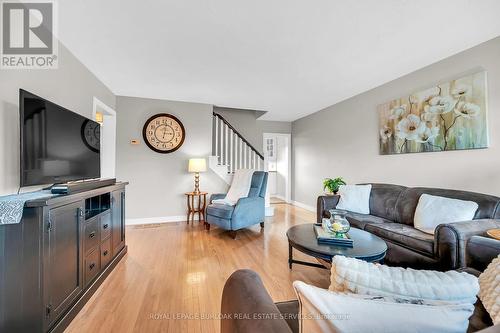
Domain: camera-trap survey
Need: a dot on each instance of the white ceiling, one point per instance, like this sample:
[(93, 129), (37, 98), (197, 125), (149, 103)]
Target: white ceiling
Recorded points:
[(288, 57)]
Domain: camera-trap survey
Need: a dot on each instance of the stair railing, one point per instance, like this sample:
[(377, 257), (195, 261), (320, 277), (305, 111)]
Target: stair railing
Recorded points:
[(232, 148)]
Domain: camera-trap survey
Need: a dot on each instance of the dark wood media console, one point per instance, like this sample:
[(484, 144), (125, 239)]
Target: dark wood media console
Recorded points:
[(55, 259)]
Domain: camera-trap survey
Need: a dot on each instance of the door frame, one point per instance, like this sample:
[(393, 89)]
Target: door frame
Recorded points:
[(288, 137), (108, 159)]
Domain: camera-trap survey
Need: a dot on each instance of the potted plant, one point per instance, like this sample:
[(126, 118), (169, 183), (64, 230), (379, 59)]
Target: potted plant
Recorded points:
[(332, 185)]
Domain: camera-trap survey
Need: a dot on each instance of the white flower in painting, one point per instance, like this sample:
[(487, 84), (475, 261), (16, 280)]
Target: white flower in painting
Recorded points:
[(385, 133), (460, 90), (428, 134), (398, 112), (429, 118), (429, 94), (410, 127), (440, 104), (467, 110), (413, 99)]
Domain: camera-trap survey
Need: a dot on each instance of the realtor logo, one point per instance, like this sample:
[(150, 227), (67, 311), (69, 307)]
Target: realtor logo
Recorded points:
[(28, 30)]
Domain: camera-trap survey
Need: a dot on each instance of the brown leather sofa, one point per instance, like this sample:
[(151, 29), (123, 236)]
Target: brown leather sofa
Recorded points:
[(392, 208), (247, 307)]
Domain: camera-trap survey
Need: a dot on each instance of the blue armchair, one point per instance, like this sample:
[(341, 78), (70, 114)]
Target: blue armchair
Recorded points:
[(247, 211)]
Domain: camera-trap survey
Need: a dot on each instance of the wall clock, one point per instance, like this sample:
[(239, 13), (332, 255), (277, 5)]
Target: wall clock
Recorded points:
[(91, 135), (163, 133)]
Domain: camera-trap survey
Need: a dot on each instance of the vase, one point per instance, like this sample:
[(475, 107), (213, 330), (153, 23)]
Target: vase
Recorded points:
[(339, 223)]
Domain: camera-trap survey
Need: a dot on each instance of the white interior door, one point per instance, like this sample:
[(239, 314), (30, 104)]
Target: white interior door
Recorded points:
[(279, 165)]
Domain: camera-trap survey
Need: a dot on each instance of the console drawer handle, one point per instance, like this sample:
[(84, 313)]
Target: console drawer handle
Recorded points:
[(92, 265), (92, 234), (105, 253), (105, 226)]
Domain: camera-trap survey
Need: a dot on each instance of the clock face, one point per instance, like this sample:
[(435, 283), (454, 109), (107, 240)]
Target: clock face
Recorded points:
[(91, 135), (163, 133)]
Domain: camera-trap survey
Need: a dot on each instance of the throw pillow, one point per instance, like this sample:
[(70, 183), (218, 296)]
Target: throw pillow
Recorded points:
[(433, 210), (489, 289), (321, 310), (360, 277), (355, 198)]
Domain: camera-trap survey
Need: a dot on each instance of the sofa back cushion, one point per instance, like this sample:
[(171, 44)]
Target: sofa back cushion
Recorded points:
[(407, 203), (383, 198)]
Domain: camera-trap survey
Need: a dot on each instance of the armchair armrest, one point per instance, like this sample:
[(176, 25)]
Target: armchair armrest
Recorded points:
[(450, 240), (324, 204), (248, 211), (216, 196), (247, 307), (481, 251)]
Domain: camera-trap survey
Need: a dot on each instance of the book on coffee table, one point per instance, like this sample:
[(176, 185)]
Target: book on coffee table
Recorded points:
[(327, 238)]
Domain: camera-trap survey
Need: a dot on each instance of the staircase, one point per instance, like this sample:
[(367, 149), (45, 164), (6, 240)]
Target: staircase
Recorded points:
[(231, 151)]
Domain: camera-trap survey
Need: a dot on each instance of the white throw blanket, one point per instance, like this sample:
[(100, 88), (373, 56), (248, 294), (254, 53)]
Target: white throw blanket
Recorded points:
[(240, 187), (360, 277)]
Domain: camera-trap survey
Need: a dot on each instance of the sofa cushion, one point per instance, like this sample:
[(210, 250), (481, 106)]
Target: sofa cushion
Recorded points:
[(383, 198), (407, 203), (404, 235), (326, 311), (219, 210), (489, 281), (432, 211), (355, 198), (360, 277), (361, 220)]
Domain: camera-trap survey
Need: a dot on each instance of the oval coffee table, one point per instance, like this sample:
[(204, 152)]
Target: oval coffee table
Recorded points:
[(366, 246)]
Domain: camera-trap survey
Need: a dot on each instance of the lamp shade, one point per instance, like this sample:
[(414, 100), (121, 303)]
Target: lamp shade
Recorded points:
[(197, 165)]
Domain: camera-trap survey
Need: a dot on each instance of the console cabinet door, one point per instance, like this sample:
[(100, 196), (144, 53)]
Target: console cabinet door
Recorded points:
[(63, 259), (118, 216)]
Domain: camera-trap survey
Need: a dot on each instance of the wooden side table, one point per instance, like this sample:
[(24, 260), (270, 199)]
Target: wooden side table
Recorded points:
[(201, 205)]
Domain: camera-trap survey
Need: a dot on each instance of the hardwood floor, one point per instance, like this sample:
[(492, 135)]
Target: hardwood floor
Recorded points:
[(173, 275)]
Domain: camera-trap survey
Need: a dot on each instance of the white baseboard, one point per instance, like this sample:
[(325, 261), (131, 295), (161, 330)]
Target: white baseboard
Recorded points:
[(154, 220), (303, 205), (279, 197)]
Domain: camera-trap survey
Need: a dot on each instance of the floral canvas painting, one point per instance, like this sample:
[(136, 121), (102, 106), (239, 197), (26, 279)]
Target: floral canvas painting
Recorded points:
[(449, 116)]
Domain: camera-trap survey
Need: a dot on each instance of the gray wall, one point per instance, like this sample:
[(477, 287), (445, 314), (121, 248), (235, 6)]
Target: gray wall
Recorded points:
[(72, 85), (246, 122), (342, 140), (158, 181)]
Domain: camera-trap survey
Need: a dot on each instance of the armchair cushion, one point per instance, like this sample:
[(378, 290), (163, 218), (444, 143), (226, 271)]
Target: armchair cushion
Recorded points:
[(404, 235), (220, 210)]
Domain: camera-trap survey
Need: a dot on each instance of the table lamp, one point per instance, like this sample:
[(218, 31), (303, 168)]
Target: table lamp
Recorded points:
[(197, 165)]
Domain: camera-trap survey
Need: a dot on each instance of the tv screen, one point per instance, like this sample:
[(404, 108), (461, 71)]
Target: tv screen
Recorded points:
[(57, 145)]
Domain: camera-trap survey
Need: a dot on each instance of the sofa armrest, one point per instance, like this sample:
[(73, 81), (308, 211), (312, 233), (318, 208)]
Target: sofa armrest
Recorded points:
[(450, 240), (324, 204), (247, 307), (216, 196), (481, 251)]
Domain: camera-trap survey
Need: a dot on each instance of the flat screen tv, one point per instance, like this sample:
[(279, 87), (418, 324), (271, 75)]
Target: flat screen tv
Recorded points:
[(57, 145)]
